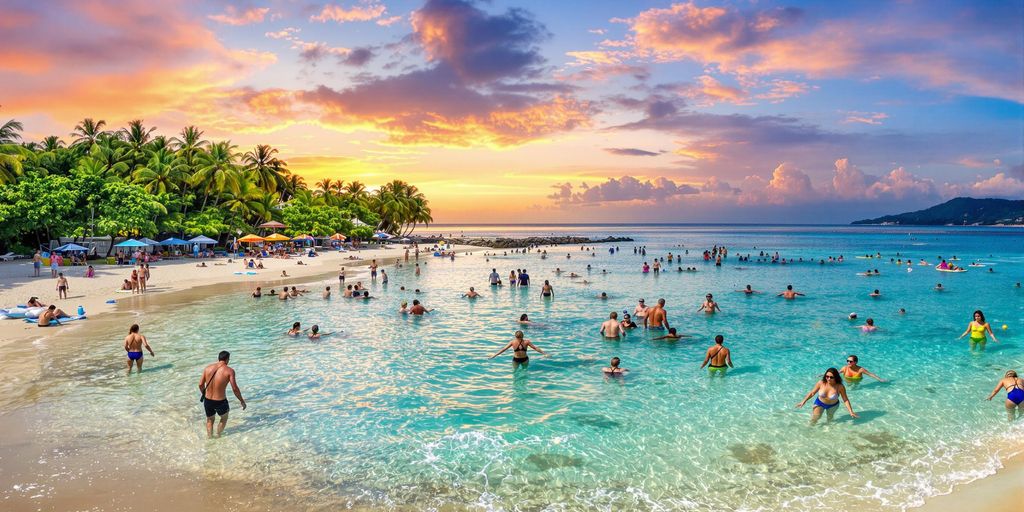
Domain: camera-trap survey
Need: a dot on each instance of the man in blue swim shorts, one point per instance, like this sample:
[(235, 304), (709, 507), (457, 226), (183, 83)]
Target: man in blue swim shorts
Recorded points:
[(133, 344)]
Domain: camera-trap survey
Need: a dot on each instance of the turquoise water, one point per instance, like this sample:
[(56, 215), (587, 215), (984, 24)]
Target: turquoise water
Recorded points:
[(410, 412)]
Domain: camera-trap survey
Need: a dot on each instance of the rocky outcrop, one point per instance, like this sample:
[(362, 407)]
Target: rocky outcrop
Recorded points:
[(531, 241)]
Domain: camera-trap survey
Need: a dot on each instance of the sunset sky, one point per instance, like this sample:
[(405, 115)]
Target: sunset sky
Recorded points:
[(559, 111)]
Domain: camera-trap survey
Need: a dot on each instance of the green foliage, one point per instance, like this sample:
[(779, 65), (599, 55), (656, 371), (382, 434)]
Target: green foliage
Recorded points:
[(132, 181)]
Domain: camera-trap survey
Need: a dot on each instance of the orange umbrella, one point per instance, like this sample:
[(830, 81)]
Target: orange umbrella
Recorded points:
[(251, 238), (338, 236), (276, 237)]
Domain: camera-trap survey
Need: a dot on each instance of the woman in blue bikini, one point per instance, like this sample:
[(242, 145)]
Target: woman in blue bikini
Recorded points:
[(829, 391), (1014, 387)]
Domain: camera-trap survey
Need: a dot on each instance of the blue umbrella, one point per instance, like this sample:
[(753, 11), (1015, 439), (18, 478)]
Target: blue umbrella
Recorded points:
[(382, 236), (174, 241), (70, 247), (131, 243), (202, 240)]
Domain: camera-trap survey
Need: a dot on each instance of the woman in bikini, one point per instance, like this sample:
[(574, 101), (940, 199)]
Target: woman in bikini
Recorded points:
[(977, 329), (519, 345), (1014, 387), (855, 373), (829, 391), (547, 292)]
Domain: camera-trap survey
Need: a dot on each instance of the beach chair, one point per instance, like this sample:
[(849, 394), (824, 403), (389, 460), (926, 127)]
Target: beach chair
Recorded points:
[(8, 257)]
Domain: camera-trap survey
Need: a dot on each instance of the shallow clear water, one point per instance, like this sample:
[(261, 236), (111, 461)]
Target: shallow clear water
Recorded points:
[(399, 411)]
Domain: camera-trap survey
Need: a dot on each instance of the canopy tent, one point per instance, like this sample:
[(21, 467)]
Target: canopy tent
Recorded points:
[(149, 241), (70, 248), (131, 243), (276, 237), (382, 236), (174, 241), (251, 238), (338, 236), (202, 240), (272, 225)]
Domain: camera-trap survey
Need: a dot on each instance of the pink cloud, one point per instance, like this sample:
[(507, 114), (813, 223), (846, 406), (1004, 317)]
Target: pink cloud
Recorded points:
[(365, 12), (233, 16), (781, 90), (387, 22), (998, 185), (624, 189), (288, 33), (873, 118)]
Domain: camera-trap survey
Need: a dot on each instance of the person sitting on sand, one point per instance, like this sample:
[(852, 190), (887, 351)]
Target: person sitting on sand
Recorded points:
[(1014, 387), (829, 391), (133, 344), (33, 302), (299, 262), (717, 358), (519, 345), (855, 373), (90, 272), (613, 368), (472, 294), (709, 306), (789, 294), (672, 335), (51, 314), (284, 273), (611, 328), (202, 265)]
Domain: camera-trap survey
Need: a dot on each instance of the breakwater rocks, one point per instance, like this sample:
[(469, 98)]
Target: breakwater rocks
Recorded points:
[(511, 243)]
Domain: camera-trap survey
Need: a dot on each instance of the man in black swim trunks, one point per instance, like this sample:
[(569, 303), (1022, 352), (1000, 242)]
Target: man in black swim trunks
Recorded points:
[(213, 389)]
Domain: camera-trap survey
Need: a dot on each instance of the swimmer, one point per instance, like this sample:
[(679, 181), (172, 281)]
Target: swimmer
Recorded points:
[(603, 296), (829, 391), (641, 309), (418, 309), (978, 328), (133, 345), (938, 287), (852, 316), (283, 295), (613, 368), (869, 326), (672, 335), (656, 317), (295, 330), (494, 277), (749, 291), (875, 294), (789, 294), (627, 322), (258, 293), (327, 293), (365, 296), (718, 358), (855, 373), (519, 346), (525, 320), (546, 291), (405, 307), (284, 273), (709, 306), (611, 328), (902, 311), (472, 294), (1014, 387), (315, 334)]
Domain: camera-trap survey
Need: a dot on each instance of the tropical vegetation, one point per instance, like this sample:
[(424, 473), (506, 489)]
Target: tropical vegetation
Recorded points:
[(134, 182)]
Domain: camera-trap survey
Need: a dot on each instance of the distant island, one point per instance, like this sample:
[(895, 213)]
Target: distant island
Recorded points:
[(960, 211)]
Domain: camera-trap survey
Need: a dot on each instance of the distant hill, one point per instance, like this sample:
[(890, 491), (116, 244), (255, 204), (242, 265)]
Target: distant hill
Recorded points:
[(960, 211)]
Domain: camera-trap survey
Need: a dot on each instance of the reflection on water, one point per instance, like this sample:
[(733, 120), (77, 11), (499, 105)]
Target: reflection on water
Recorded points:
[(409, 412)]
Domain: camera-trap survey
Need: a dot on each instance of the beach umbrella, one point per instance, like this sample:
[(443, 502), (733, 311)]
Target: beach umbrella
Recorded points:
[(338, 236), (357, 222), (303, 238), (251, 238), (276, 237), (174, 241), (272, 225), (149, 241), (131, 243), (202, 240), (382, 236), (70, 248)]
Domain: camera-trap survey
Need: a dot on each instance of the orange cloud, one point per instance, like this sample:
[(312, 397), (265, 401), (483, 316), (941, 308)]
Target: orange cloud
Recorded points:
[(234, 16), (341, 15)]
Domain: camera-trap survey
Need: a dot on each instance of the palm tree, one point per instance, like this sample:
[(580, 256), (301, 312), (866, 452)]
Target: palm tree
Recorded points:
[(109, 152), (217, 172), (87, 132), (266, 170), (357, 193), (189, 151), (11, 157), (137, 136), (10, 132), (324, 186), (293, 184), (52, 143), (159, 175), (246, 201)]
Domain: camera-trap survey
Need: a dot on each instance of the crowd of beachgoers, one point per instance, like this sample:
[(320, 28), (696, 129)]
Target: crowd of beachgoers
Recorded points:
[(828, 393)]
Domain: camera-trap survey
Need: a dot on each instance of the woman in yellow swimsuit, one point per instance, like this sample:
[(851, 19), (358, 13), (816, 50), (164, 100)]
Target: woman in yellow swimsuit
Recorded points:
[(977, 329), (854, 373)]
